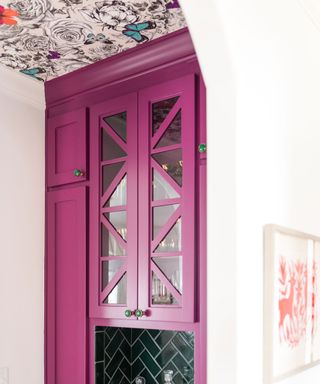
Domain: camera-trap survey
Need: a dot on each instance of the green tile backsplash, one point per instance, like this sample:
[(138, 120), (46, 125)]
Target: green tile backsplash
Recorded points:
[(122, 354)]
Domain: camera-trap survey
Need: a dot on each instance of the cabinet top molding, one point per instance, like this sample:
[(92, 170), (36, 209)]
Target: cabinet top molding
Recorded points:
[(126, 65)]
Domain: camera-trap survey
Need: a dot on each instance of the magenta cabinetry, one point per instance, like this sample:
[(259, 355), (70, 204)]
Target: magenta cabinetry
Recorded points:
[(66, 287), (67, 143), (142, 253), (126, 203)]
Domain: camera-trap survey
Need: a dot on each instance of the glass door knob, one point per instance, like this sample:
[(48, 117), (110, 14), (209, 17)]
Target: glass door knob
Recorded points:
[(139, 313), (78, 172), (128, 313), (202, 148)]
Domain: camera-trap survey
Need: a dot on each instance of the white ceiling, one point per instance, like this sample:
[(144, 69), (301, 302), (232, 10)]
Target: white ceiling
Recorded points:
[(55, 37)]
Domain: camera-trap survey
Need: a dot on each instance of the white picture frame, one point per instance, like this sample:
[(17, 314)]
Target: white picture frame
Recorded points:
[(291, 302)]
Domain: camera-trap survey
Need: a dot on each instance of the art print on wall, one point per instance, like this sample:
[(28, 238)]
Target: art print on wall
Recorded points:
[(291, 302)]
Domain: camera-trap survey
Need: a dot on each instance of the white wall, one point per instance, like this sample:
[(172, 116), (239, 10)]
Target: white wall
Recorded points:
[(21, 228), (264, 135)]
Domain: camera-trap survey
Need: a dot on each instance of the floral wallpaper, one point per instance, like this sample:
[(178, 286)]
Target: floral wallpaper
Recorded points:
[(48, 38)]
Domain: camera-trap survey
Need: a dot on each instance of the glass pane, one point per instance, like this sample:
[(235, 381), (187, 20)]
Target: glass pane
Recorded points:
[(171, 242), (119, 221), (109, 245), (109, 148), (119, 196), (171, 162), (172, 134), (162, 189), (161, 216), (109, 172), (160, 294), (160, 111), (109, 269), (118, 123), (171, 267), (119, 293)]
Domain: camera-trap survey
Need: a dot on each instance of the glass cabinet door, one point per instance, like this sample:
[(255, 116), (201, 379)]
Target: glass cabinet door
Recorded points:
[(114, 207), (167, 201)]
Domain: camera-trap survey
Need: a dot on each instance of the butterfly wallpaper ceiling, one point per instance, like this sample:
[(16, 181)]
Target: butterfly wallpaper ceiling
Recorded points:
[(49, 38)]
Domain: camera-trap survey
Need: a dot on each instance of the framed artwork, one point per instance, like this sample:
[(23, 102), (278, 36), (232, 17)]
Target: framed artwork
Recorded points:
[(291, 302)]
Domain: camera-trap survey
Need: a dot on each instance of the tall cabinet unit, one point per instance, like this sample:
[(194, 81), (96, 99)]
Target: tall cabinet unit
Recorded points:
[(125, 204)]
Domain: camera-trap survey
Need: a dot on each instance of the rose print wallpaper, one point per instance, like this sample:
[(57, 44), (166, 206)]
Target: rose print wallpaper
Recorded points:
[(49, 38)]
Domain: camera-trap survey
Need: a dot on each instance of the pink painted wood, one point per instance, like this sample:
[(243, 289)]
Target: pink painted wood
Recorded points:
[(66, 287), (185, 310), (67, 147), (126, 103)]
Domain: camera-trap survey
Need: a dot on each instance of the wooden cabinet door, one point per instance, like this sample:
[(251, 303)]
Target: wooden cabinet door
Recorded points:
[(66, 287), (113, 208), (167, 220), (67, 148)]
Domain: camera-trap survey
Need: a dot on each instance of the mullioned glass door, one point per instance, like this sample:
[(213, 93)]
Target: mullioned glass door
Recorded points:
[(114, 208), (167, 201)]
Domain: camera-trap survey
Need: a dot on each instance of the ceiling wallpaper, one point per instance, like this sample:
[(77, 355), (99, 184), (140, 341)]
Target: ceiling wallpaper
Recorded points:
[(48, 38)]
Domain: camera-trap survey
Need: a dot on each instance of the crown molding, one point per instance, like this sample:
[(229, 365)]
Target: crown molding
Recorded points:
[(130, 64), (20, 87)]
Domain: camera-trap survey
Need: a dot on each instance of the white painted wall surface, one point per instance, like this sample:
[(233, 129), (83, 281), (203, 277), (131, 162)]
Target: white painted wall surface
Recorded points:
[(261, 63), (21, 228)]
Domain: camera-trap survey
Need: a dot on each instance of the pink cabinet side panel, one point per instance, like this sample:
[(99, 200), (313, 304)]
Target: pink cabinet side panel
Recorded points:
[(66, 287), (67, 148)]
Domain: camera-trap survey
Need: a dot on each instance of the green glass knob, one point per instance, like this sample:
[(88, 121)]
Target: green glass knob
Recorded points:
[(78, 172), (139, 313), (202, 148), (128, 313)]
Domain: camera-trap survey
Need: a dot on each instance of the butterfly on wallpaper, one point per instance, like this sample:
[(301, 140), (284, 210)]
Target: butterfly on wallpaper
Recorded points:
[(134, 30), (7, 16), (171, 4), (100, 38), (53, 55), (33, 72)]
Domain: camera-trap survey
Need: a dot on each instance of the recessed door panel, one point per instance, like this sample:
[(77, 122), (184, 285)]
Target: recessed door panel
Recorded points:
[(66, 287), (67, 148)]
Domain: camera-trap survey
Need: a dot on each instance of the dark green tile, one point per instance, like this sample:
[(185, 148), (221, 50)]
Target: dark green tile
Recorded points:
[(114, 343), (126, 333), (99, 373), (136, 333), (166, 355), (136, 349), (149, 379), (183, 347), (99, 346), (180, 363), (154, 333), (125, 368), (113, 364), (164, 337), (125, 381), (189, 337), (178, 379), (99, 328), (150, 363), (125, 349), (149, 344), (116, 378), (137, 368)]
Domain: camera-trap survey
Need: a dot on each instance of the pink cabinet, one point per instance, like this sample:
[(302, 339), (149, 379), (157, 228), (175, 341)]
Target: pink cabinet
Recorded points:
[(67, 148), (66, 287), (142, 252)]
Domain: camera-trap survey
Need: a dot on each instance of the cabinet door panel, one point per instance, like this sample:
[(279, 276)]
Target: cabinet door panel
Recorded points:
[(167, 200), (66, 287), (113, 209), (67, 149)]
